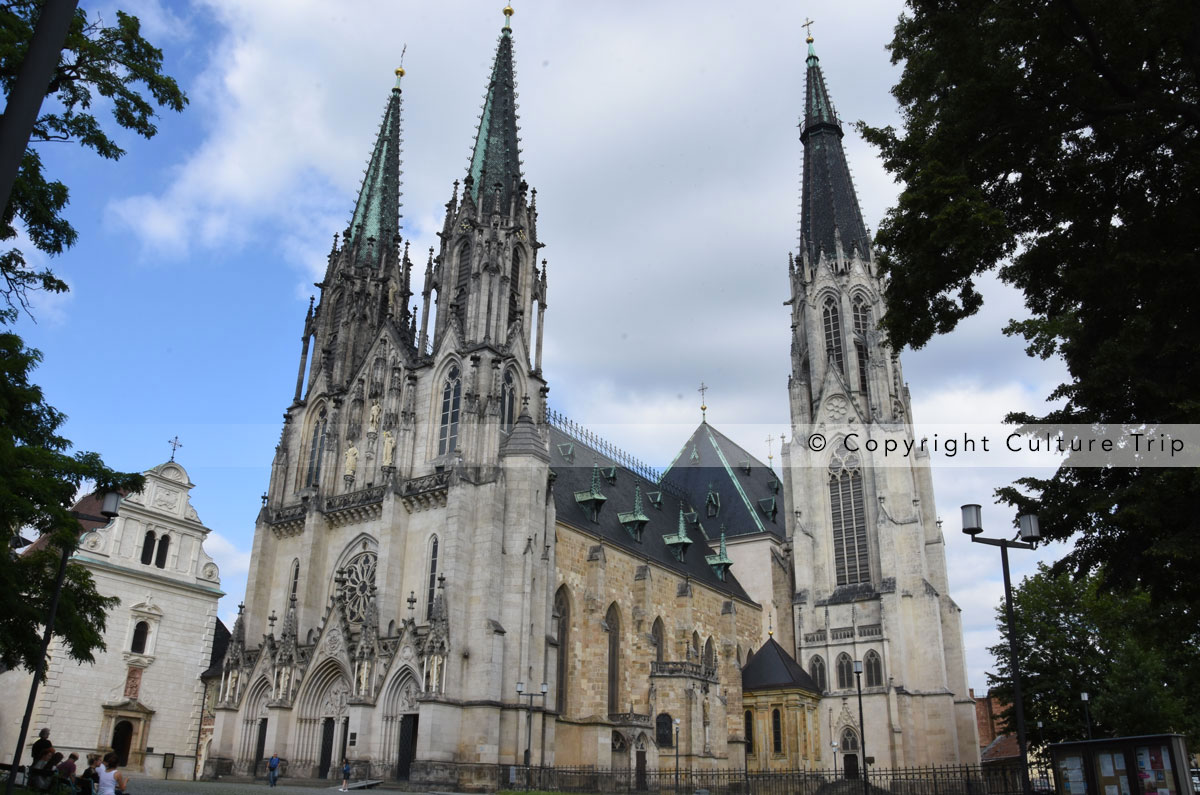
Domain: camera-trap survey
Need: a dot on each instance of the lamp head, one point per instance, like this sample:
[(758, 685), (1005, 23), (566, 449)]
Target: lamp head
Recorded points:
[(1083, 696), (972, 520), (545, 687), (858, 666), (520, 687), (108, 507), (1027, 528)]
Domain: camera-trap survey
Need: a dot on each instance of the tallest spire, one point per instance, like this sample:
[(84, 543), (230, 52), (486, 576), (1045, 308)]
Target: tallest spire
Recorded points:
[(377, 213), (496, 157), (829, 208)]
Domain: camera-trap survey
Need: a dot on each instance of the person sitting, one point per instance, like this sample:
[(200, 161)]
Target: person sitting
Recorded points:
[(41, 773), (66, 772), (85, 782)]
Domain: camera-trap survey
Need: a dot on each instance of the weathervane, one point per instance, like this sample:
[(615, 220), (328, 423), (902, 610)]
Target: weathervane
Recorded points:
[(175, 445), (703, 408)]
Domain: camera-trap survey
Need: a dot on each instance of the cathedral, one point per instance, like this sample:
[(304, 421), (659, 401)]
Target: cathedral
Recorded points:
[(450, 579)]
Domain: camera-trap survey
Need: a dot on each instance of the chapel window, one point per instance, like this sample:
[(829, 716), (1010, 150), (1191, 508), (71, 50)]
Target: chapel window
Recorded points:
[(164, 546), (316, 451), (433, 573), (508, 401), (776, 731), (140, 634), (562, 612), (845, 672), (451, 399), (850, 556), (660, 640), (832, 321), (612, 621), (749, 732), (816, 669), (663, 728), (148, 547), (873, 669)]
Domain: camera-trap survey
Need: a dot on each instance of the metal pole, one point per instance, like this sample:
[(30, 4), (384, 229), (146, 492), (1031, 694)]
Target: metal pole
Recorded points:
[(862, 729), (41, 666), (677, 757), (1018, 707), (1087, 716), (528, 741), (25, 100)]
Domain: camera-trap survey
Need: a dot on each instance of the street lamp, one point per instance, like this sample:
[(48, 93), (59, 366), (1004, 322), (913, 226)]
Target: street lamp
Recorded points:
[(529, 724), (862, 730), (1029, 534), (835, 767), (108, 512), (677, 754), (1087, 716)]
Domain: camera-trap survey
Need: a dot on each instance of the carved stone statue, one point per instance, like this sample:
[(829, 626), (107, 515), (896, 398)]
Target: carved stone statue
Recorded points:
[(285, 679), (376, 411), (351, 460), (389, 448)]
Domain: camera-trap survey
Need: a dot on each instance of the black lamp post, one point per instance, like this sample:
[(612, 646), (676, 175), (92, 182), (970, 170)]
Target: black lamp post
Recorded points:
[(108, 511), (862, 729), (1030, 535), (529, 724), (1087, 716), (677, 754)]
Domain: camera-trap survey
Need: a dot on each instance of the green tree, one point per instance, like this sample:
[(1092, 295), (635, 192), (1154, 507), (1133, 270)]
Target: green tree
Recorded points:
[(1057, 141), (1075, 638), (112, 62), (39, 476)]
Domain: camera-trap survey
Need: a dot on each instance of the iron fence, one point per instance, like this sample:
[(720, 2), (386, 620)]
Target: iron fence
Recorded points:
[(942, 780)]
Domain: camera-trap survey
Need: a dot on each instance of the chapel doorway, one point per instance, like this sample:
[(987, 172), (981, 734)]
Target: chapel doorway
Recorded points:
[(408, 745), (122, 737), (326, 748), (850, 765), (260, 746), (640, 781)]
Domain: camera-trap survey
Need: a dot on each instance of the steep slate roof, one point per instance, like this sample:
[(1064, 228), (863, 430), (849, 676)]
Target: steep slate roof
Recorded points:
[(377, 211), (711, 462), (828, 200), (497, 151), (573, 463), (772, 668)]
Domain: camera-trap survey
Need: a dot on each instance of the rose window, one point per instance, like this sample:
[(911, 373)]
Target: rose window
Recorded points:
[(359, 582)]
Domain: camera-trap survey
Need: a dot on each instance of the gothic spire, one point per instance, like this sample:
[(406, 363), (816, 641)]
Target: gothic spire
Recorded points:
[(377, 213), (496, 157), (829, 206)]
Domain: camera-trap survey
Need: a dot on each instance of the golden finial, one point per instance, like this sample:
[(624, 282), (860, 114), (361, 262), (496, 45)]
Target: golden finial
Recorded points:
[(508, 12), (770, 626), (399, 71)]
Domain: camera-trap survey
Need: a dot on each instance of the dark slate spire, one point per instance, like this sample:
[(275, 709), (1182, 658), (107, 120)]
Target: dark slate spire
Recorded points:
[(828, 199), (377, 213), (496, 157)]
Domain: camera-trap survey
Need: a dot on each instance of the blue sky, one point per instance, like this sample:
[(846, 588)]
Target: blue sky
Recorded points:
[(662, 140)]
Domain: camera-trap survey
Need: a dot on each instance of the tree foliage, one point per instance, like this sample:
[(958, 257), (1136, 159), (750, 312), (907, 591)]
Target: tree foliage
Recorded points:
[(1074, 638), (39, 475), (113, 63), (1057, 141)]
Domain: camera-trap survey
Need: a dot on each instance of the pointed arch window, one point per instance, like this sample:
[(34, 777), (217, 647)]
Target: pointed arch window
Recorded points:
[(316, 451), (295, 577), (849, 741), (433, 572), (664, 725), (845, 672), (141, 633), (710, 656), (514, 286), (562, 612), (164, 546), (612, 621), (873, 669), (659, 633), (831, 318), (776, 732), (508, 401), (816, 669), (462, 286), (749, 722), (850, 555), (451, 401), (860, 353), (861, 310), (148, 547)]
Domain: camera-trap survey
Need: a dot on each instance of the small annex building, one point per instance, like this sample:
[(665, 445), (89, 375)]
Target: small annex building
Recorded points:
[(780, 711)]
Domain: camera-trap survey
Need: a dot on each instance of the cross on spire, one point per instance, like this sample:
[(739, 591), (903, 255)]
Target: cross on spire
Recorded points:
[(808, 23), (770, 455), (175, 445), (703, 408)]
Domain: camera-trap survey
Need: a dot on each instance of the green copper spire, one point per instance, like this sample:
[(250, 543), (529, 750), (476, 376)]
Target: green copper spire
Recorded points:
[(496, 157), (377, 213)]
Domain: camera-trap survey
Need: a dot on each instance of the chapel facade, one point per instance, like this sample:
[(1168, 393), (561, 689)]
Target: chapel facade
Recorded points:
[(449, 578)]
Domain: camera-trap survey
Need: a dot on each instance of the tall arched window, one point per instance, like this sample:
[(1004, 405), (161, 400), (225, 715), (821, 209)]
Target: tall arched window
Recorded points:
[(663, 728), (710, 656), (508, 401), (694, 652), (451, 398), (862, 315), (776, 732), (816, 669), (749, 718), (873, 669), (860, 353), (316, 451), (164, 546), (850, 555), (514, 286), (659, 633), (562, 613), (148, 547), (845, 672), (612, 620), (433, 570), (463, 283), (140, 633), (295, 576), (849, 741), (832, 319)]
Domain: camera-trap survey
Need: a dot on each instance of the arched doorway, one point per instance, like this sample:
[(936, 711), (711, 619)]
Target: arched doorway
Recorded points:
[(122, 737), (849, 751), (400, 720), (322, 712)]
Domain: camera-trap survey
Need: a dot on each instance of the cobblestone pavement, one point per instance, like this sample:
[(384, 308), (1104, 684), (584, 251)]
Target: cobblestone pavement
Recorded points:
[(145, 785)]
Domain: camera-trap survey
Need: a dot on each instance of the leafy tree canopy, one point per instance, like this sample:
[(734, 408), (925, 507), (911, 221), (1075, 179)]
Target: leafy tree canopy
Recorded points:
[(111, 62), (1075, 638), (1057, 141)]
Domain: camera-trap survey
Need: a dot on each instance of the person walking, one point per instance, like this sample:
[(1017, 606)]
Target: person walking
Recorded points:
[(345, 774), (273, 769)]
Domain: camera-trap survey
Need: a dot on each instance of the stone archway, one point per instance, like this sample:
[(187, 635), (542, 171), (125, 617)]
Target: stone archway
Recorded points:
[(321, 711), (401, 721)]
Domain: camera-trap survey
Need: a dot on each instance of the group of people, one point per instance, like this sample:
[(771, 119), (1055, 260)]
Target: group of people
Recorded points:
[(50, 772)]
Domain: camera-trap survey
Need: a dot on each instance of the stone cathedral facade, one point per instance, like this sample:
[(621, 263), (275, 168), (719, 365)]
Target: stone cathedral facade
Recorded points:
[(449, 577)]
